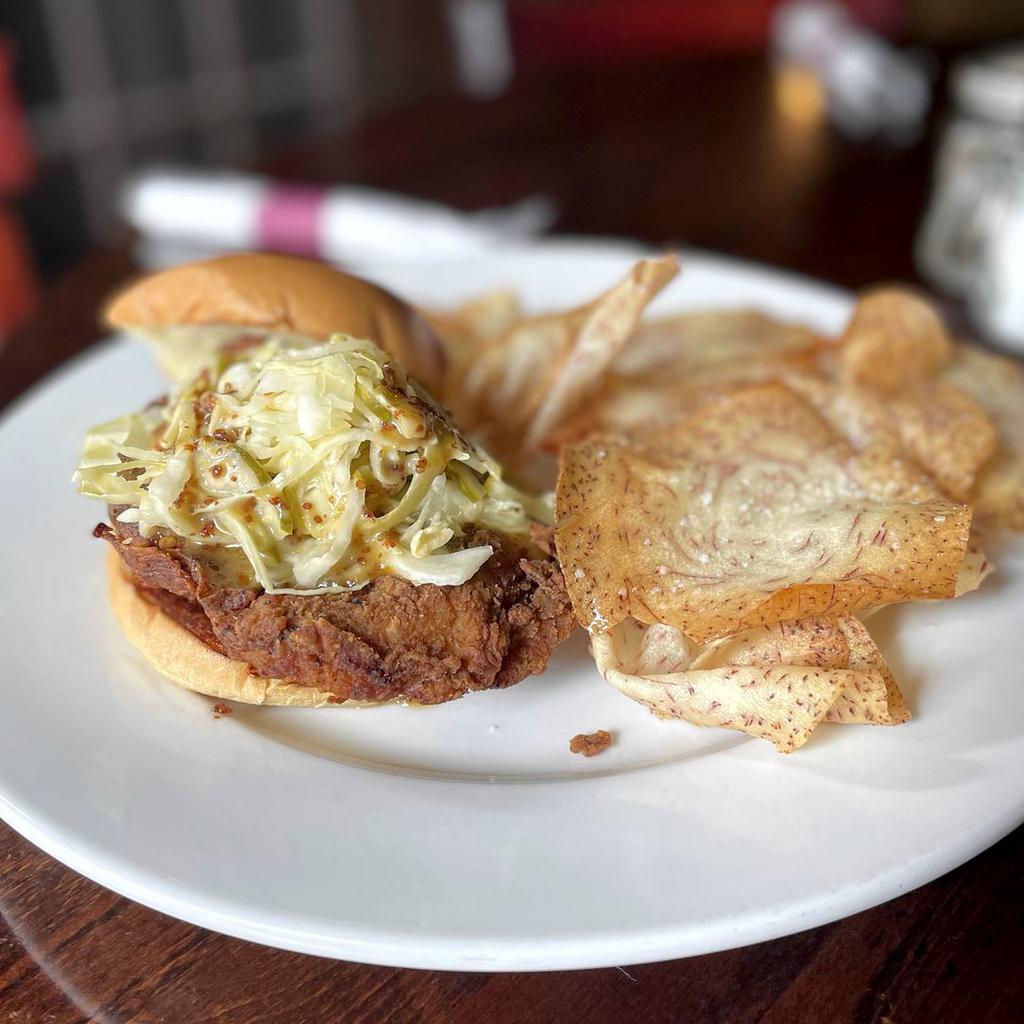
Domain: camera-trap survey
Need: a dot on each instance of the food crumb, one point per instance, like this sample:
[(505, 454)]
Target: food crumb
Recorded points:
[(590, 744), (220, 709)]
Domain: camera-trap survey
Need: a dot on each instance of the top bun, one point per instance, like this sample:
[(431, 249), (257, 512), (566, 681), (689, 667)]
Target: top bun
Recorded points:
[(286, 294)]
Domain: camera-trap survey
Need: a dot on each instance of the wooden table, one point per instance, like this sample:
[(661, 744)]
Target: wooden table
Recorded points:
[(696, 152)]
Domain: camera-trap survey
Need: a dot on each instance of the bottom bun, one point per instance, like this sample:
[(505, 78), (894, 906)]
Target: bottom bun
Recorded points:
[(184, 659)]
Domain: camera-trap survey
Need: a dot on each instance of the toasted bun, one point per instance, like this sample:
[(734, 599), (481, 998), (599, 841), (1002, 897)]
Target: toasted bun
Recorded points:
[(281, 293), (184, 659)]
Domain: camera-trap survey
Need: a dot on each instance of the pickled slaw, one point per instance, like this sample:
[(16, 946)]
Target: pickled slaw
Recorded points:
[(322, 463)]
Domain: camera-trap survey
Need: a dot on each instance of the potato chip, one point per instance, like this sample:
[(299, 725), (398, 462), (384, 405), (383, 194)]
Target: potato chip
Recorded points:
[(895, 345), (894, 339), (634, 406), (927, 441), (676, 364), (997, 385), (861, 417), (531, 379), (752, 511), (777, 682), (672, 349), (628, 409), (947, 432), (465, 331), (864, 419), (976, 567), (490, 315), (872, 697), (599, 340), (914, 430)]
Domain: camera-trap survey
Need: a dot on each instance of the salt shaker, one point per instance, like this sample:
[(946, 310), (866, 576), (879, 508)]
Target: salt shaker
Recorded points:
[(972, 241)]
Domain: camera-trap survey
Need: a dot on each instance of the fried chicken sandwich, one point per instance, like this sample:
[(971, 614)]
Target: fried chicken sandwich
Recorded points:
[(299, 522)]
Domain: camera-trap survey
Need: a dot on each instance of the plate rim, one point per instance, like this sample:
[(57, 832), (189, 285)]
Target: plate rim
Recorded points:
[(545, 955)]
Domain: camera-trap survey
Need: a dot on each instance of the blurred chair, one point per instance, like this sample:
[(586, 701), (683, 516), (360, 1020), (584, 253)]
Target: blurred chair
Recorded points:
[(109, 84)]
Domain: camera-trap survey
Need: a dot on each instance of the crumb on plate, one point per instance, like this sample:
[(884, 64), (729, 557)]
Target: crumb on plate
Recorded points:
[(590, 744)]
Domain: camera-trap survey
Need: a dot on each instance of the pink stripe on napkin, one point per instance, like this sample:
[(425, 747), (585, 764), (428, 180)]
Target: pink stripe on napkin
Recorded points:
[(289, 219)]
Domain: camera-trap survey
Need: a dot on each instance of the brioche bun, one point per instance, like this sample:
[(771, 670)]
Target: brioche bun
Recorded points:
[(184, 659), (286, 294)]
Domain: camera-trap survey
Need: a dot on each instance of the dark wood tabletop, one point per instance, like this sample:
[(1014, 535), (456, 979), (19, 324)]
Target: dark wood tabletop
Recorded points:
[(695, 152)]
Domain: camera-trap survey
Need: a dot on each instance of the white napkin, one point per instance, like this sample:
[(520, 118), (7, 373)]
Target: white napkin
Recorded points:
[(180, 212)]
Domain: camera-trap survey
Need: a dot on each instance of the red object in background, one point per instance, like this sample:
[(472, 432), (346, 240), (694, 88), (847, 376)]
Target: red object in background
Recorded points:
[(581, 32), (19, 287), (17, 165), (18, 284), (590, 31)]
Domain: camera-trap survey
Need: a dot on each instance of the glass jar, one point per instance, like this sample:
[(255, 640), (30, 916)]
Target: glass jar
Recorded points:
[(979, 173)]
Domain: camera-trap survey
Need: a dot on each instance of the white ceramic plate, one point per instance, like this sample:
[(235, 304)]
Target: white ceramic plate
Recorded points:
[(466, 836)]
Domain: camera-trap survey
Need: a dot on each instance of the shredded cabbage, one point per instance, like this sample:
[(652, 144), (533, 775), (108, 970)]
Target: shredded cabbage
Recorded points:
[(321, 463)]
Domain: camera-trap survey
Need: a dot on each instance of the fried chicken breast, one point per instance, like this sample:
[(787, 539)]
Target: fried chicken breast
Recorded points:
[(391, 640)]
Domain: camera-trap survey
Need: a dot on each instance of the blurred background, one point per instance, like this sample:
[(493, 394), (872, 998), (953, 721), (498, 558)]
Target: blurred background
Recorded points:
[(857, 141)]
